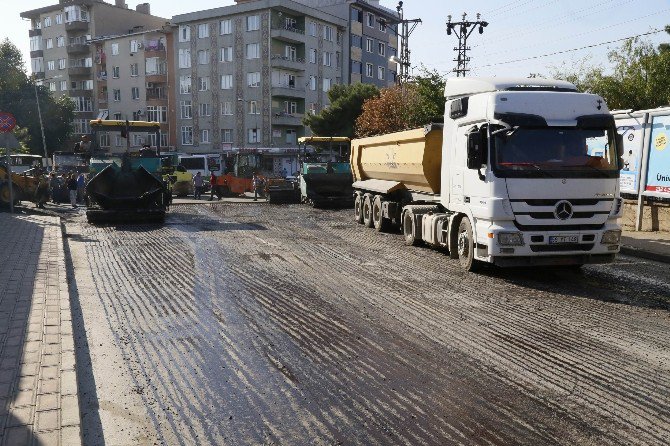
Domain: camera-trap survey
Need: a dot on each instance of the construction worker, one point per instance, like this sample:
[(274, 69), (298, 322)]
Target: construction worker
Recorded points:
[(212, 186), (255, 184)]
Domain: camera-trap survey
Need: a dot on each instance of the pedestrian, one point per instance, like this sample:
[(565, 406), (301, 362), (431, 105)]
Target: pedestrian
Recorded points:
[(72, 187), (53, 186), (212, 186), (81, 185), (255, 184), (197, 183)]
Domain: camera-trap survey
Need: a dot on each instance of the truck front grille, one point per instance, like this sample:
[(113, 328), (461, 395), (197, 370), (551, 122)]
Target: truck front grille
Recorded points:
[(562, 248)]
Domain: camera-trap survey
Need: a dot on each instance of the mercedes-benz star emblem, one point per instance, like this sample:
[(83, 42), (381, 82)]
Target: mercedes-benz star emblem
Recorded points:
[(563, 210)]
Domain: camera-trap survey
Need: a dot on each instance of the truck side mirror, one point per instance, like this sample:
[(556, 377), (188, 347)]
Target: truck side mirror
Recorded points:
[(475, 149), (619, 144)]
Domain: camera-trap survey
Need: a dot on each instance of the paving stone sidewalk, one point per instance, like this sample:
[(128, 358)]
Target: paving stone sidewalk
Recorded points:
[(38, 383)]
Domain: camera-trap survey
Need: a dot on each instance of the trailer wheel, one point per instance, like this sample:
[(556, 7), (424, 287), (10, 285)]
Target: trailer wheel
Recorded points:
[(408, 229), (358, 209), (379, 222), (367, 211), (466, 245)]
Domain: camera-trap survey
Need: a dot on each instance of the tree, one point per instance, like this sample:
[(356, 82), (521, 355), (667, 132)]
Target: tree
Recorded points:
[(17, 96), (346, 103), (395, 109), (430, 87)]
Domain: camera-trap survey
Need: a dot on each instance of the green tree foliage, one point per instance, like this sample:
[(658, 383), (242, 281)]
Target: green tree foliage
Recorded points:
[(638, 80), (346, 103), (17, 96), (430, 88)]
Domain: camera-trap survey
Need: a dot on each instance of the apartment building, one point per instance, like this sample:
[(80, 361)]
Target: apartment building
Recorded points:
[(372, 39), (246, 75), (61, 54), (132, 82)]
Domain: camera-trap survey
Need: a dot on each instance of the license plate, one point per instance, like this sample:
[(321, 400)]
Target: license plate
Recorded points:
[(563, 239)]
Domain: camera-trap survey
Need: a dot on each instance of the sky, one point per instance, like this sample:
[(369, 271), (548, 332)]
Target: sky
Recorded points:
[(518, 32)]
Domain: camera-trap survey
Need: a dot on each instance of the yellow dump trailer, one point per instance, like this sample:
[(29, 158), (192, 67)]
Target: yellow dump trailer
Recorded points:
[(411, 160)]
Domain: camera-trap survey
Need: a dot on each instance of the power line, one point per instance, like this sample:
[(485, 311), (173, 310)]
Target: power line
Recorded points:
[(464, 29), (571, 50)]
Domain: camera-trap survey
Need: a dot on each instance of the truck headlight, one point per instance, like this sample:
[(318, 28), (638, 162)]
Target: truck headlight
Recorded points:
[(510, 238), (612, 237)]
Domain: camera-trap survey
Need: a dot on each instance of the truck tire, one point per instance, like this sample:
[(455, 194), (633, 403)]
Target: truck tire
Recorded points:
[(358, 209), (367, 211), (408, 229), (378, 221), (466, 245)]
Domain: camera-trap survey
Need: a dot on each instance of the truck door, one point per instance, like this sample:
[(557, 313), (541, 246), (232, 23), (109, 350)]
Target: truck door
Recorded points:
[(458, 165)]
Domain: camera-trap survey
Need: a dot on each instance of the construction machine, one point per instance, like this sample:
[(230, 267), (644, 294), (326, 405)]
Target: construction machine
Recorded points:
[(325, 173)]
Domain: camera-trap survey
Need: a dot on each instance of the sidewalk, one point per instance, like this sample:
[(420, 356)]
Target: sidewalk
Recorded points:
[(648, 245), (38, 383)]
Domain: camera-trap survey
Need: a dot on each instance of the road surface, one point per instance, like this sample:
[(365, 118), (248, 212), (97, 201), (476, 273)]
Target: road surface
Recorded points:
[(259, 324)]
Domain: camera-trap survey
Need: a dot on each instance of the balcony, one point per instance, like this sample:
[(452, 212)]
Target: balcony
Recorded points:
[(295, 64), (157, 78), (36, 53), (280, 117), (35, 32), (288, 91), (79, 71), (154, 48), (77, 48), (288, 34), (76, 26), (39, 75)]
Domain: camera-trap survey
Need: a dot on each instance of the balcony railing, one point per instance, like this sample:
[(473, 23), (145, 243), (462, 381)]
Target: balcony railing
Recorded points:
[(292, 29), (157, 95), (154, 45)]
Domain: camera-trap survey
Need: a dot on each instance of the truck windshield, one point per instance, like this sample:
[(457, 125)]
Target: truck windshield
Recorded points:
[(557, 150)]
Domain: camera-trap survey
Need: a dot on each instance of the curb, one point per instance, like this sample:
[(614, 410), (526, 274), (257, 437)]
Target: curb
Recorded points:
[(648, 255)]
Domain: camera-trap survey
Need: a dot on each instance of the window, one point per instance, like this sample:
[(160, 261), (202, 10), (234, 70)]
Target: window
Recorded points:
[(60, 41), (50, 43), (226, 81), (75, 13), (327, 59), (115, 49), (103, 139), (115, 72), (61, 64), (204, 136), (117, 95), (226, 27), (326, 84), (51, 65), (186, 109), (227, 54), (47, 22), (254, 79), (52, 86), (312, 108), (370, 45), (253, 51), (369, 70), (356, 41), (227, 135), (253, 108), (134, 46), (253, 23), (381, 71), (63, 85), (312, 29), (87, 85), (312, 83), (135, 93), (203, 57), (356, 15), (203, 83), (290, 107), (254, 136), (291, 52), (205, 110), (371, 20), (290, 136), (153, 65), (184, 33), (382, 25), (157, 114), (35, 43), (184, 58), (117, 117), (356, 67), (312, 55), (328, 33), (59, 19), (381, 47), (203, 31), (226, 108), (187, 135), (81, 126), (184, 84), (138, 139), (134, 70)]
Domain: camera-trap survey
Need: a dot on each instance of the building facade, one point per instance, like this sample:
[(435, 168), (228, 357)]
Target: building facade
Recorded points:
[(132, 83), (61, 53), (246, 75), (372, 39)]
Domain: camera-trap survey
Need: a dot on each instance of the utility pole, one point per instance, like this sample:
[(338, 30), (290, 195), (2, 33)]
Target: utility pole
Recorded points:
[(463, 29), (407, 27)]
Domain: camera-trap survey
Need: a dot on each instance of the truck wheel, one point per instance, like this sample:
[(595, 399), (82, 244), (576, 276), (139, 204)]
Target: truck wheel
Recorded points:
[(466, 245), (408, 229), (367, 211), (380, 223), (358, 208)]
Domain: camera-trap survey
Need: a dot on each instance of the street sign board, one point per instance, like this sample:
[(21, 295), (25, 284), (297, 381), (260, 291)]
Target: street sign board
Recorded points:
[(7, 122), (658, 171)]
